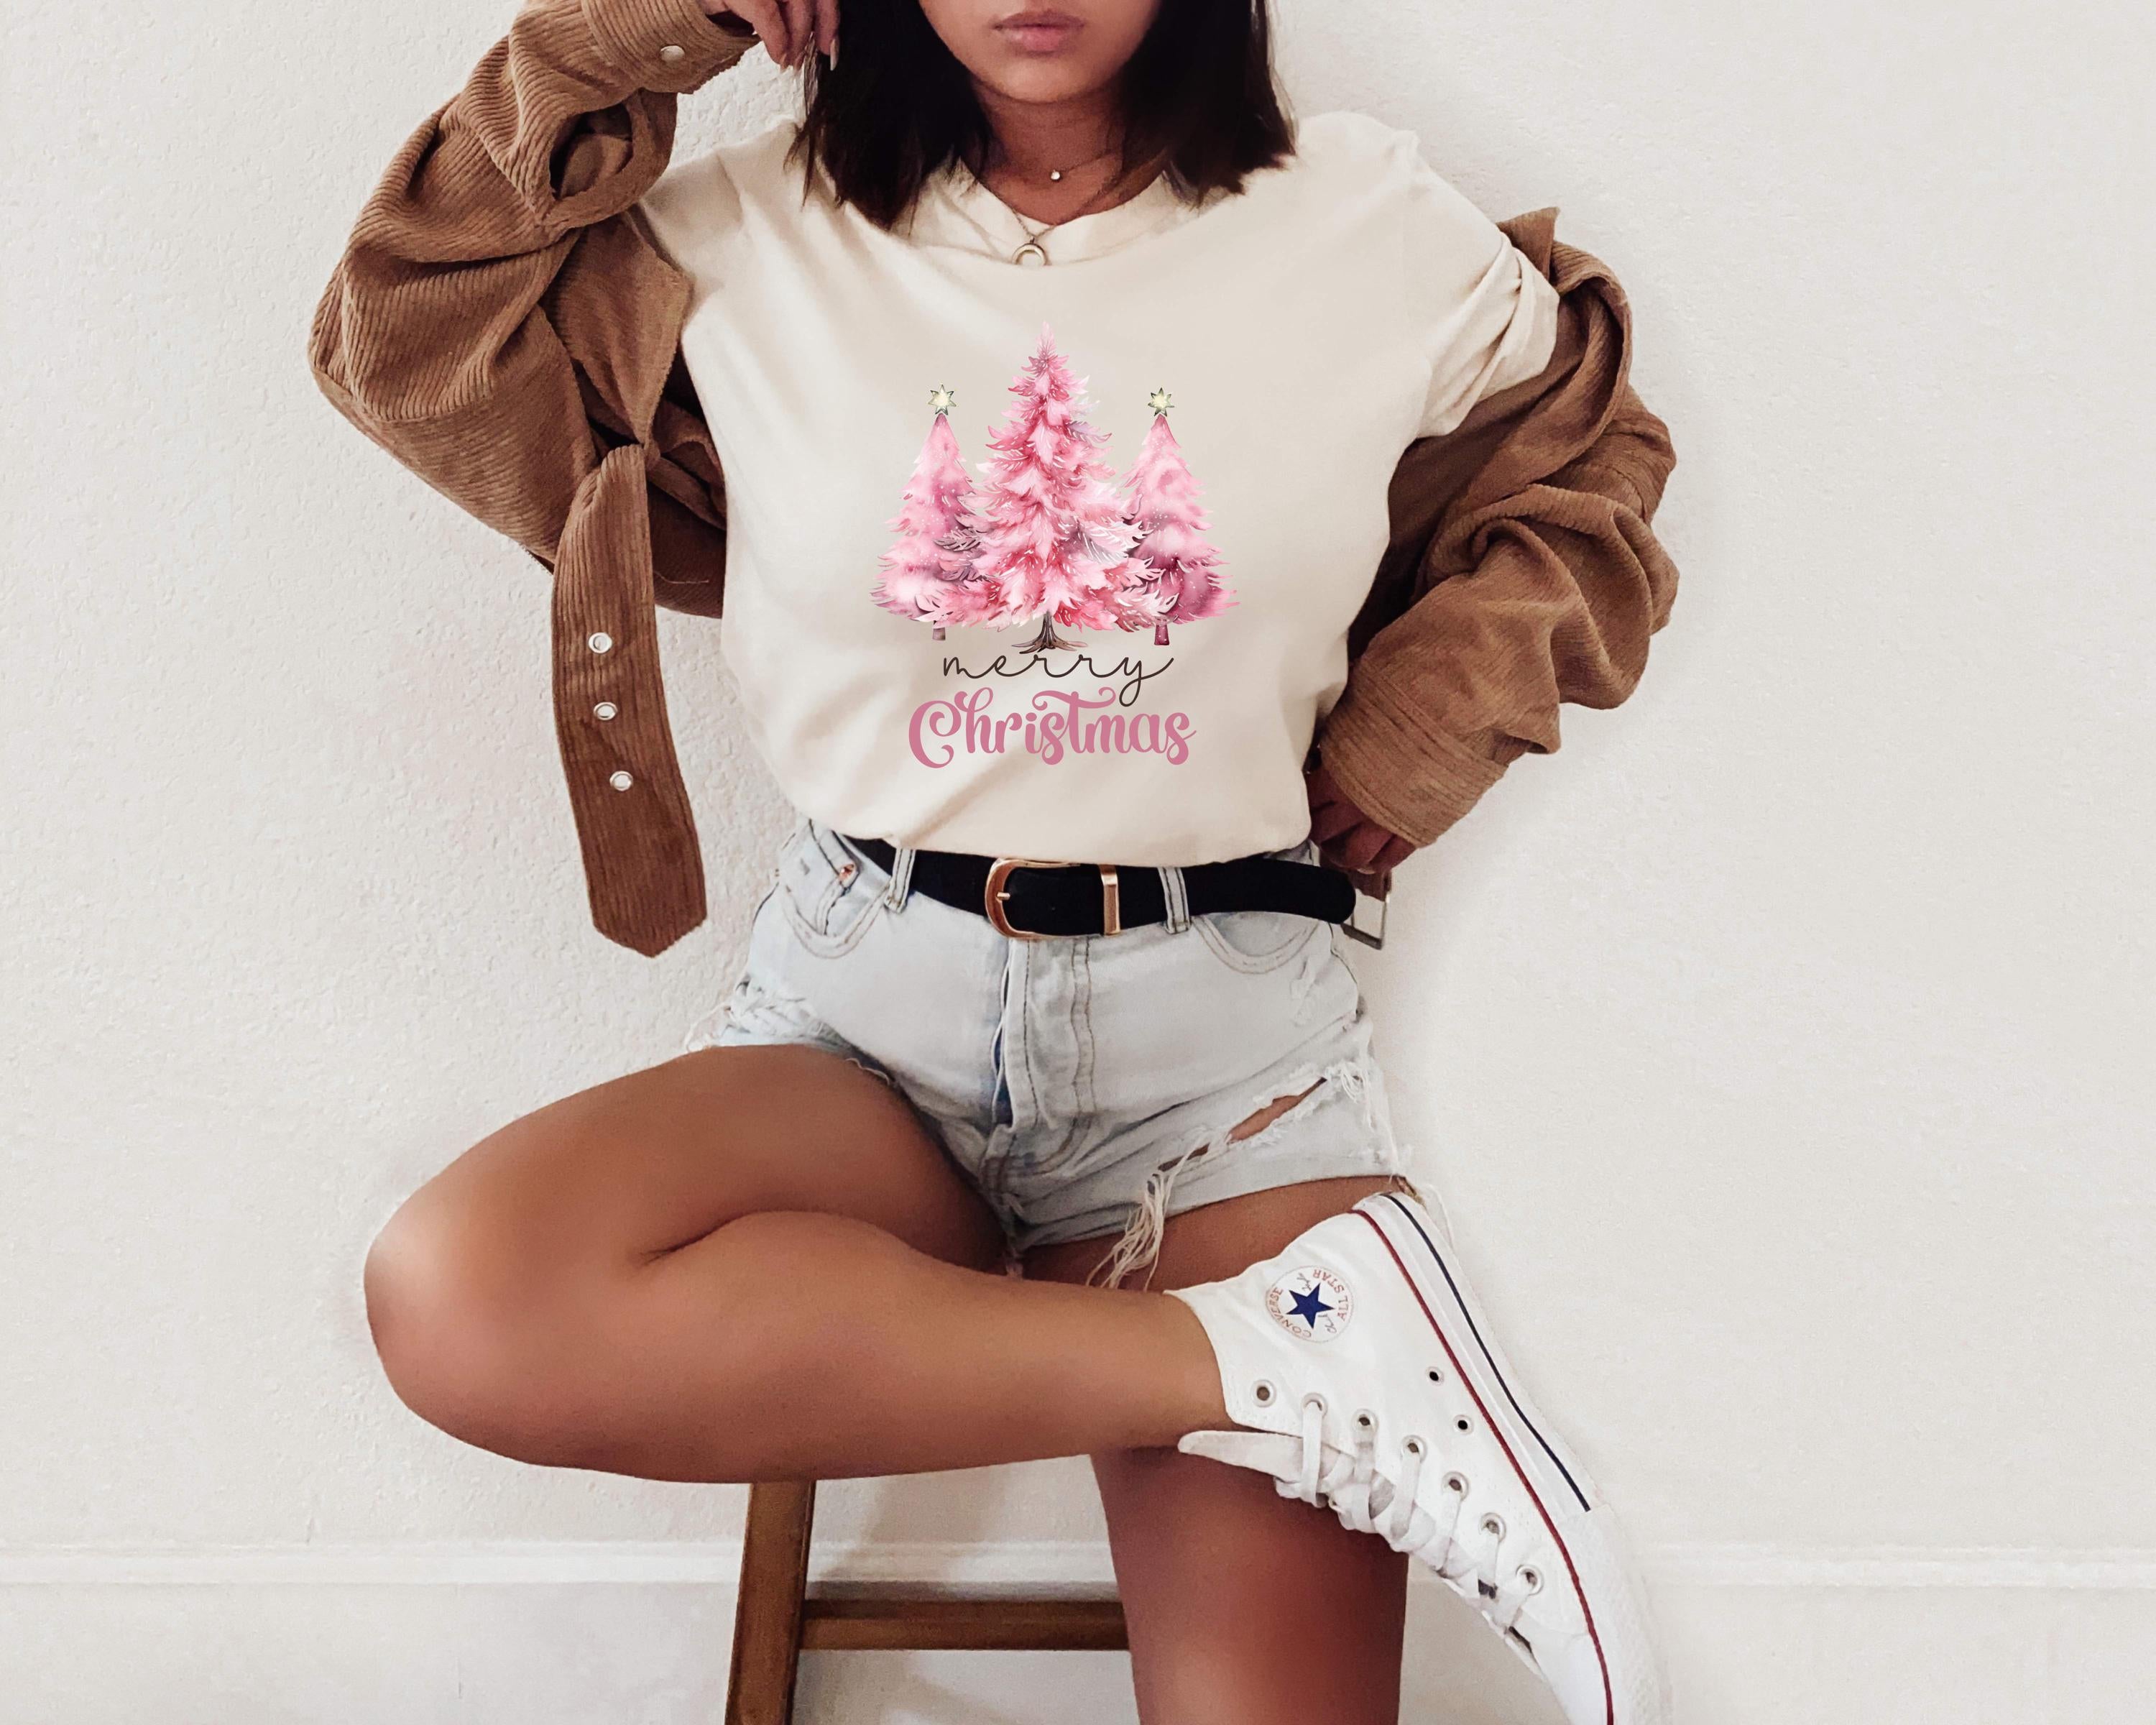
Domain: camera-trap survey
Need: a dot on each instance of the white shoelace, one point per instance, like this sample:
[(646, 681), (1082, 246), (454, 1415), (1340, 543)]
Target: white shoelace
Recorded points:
[(1471, 1557)]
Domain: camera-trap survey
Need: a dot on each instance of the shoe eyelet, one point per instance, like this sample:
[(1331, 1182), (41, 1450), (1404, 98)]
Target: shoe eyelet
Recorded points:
[(1412, 1445), (1494, 1525), (1365, 1420), (1464, 1424), (1262, 1393), (1436, 1376), (1456, 1482), (1314, 1400), (1533, 1576)]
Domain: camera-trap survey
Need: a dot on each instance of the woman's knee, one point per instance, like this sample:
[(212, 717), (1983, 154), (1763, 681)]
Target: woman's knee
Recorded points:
[(468, 1324)]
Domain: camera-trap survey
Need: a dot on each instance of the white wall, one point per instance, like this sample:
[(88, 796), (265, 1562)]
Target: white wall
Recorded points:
[(1781, 1044)]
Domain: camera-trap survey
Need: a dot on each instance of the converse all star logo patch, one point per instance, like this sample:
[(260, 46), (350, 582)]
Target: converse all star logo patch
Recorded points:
[(1311, 1304)]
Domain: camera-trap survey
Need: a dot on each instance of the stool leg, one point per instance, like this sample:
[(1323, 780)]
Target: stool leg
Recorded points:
[(774, 1580)]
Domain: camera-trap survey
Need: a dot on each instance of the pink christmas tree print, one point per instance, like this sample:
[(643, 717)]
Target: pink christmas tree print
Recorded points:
[(1182, 581), (929, 571), (1052, 542)]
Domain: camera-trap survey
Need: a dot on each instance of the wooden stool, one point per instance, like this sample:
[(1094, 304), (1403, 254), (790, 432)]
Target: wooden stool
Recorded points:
[(776, 1617)]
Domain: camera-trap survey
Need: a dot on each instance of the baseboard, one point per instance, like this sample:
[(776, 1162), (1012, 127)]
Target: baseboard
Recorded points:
[(1020, 1563)]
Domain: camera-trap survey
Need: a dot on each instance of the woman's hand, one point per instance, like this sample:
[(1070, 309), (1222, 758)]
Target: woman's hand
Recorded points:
[(1348, 839), (788, 28)]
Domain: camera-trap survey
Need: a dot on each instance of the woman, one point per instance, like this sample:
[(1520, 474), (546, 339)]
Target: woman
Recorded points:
[(1038, 400)]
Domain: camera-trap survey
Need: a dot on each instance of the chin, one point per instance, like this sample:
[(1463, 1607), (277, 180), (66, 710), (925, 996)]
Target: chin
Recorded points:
[(1035, 78)]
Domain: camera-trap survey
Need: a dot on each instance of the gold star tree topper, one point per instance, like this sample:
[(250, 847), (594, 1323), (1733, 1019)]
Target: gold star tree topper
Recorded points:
[(942, 397), (1158, 400)]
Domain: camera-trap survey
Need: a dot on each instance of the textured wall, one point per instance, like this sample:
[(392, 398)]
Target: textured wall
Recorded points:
[(1781, 1044)]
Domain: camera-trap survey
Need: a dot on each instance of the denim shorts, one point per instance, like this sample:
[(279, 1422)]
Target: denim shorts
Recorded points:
[(1085, 1085)]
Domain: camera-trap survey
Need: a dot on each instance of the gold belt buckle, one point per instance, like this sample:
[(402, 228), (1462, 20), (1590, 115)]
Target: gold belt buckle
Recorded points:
[(997, 895)]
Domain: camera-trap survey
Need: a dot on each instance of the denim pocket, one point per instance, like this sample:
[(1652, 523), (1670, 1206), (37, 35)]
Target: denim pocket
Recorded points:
[(1256, 941), (1262, 940), (829, 897)]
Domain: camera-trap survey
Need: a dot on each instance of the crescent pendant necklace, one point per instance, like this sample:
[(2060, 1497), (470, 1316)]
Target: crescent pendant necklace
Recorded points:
[(1032, 251)]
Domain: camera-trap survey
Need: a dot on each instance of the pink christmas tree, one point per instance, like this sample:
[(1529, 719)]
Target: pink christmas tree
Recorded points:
[(1052, 542), (929, 571), (1182, 581)]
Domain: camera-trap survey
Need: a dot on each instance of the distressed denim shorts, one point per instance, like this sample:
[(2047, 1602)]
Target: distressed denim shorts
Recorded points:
[(1085, 1086)]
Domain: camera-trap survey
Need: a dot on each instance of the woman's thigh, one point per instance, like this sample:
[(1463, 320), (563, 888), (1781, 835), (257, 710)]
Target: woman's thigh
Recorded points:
[(536, 1253), (1243, 1606), (638, 1166)]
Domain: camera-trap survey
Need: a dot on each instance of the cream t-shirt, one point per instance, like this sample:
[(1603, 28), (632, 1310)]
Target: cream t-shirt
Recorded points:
[(1057, 560)]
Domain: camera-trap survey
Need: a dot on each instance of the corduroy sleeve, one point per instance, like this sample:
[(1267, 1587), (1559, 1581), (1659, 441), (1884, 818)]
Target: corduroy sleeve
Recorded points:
[(500, 320), (1527, 575)]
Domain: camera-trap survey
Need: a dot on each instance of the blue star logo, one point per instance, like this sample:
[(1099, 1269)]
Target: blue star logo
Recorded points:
[(1308, 1305)]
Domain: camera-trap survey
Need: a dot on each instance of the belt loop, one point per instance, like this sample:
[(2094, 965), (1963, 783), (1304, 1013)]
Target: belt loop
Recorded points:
[(901, 888), (1177, 897)]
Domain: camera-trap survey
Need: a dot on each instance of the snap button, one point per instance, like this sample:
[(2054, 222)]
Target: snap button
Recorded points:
[(600, 642), (621, 781), (673, 52), (605, 710)]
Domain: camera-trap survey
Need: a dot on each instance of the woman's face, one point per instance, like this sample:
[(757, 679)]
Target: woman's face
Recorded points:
[(1041, 50)]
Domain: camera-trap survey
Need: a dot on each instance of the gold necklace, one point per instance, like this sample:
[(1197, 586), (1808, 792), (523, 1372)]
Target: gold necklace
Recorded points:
[(1057, 173), (1032, 251)]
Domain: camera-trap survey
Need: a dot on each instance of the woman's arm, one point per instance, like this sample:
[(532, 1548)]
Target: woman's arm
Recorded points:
[(488, 324), (1523, 573)]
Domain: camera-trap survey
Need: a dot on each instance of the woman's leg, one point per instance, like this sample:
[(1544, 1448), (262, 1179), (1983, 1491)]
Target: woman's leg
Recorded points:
[(754, 1263), (1244, 1608)]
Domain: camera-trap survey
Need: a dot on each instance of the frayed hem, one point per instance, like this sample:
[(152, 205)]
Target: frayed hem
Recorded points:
[(754, 1015), (1137, 1247)]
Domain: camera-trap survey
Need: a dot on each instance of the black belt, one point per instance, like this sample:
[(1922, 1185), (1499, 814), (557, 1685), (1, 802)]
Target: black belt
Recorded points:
[(1040, 901)]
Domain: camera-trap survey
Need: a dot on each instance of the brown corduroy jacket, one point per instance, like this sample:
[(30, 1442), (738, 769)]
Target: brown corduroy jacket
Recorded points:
[(503, 324)]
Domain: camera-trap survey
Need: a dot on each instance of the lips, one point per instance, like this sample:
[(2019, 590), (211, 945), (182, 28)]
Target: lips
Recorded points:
[(1038, 29)]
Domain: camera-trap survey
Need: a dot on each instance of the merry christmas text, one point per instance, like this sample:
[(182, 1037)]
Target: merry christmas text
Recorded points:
[(1059, 723), (1132, 671)]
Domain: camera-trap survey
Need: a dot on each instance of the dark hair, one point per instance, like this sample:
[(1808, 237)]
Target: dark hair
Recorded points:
[(1197, 95)]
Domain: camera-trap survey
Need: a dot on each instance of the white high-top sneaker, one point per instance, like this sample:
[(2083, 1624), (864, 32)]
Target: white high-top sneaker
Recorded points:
[(1373, 1387)]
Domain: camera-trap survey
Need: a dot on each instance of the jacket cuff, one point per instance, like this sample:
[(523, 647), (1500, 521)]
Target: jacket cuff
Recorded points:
[(1410, 780), (668, 45)]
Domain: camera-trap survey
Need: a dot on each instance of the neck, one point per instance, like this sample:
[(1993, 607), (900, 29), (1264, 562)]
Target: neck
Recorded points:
[(1076, 137)]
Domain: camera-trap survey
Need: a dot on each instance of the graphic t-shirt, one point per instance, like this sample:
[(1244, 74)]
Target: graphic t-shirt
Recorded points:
[(1057, 560)]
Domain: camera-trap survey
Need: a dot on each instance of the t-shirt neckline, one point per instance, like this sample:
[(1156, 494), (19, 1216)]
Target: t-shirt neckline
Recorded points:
[(956, 208)]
